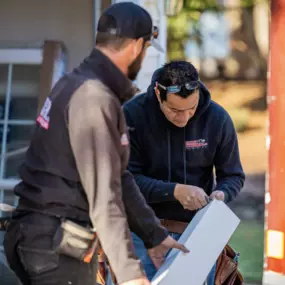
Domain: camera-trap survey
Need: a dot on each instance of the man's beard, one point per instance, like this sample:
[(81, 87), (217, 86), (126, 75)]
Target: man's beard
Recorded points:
[(135, 67)]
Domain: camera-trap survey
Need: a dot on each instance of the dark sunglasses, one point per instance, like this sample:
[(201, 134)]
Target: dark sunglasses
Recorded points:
[(151, 38), (155, 32), (192, 85)]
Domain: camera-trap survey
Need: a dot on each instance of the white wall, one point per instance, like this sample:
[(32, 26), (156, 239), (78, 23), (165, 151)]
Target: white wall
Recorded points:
[(29, 22), (154, 59)]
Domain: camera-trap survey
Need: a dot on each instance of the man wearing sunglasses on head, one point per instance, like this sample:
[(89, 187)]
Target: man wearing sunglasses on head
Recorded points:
[(179, 136)]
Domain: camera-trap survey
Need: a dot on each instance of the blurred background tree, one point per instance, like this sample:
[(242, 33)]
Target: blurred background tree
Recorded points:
[(185, 27)]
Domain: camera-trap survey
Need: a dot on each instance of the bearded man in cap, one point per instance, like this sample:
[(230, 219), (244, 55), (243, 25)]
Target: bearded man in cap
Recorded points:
[(74, 176)]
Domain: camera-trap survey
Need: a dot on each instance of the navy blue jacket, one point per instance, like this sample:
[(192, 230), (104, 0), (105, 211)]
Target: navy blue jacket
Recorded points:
[(163, 154)]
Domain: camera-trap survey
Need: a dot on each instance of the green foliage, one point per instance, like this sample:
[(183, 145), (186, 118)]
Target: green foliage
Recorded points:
[(179, 26), (200, 5), (203, 5), (179, 33)]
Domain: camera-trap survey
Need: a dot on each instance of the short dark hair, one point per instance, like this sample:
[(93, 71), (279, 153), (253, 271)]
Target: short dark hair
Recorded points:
[(112, 41), (177, 72)]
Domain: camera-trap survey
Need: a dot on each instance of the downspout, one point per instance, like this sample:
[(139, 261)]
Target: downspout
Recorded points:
[(96, 15), (163, 35)]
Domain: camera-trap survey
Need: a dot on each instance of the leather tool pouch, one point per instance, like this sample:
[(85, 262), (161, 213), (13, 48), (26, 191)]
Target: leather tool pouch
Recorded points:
[(76, 241), (227, 269)]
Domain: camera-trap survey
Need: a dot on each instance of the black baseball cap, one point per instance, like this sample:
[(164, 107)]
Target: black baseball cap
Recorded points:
[(128, 20)]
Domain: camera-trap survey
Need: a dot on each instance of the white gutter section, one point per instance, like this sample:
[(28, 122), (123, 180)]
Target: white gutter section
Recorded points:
[(96, 15)]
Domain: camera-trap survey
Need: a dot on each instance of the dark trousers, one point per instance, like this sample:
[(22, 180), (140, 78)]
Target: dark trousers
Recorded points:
[(30, 251)]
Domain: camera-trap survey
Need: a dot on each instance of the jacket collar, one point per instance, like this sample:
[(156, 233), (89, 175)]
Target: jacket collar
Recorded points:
[(98, 65)]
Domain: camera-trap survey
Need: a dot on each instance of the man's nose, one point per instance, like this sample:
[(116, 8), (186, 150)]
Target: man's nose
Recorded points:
[(184, 116)]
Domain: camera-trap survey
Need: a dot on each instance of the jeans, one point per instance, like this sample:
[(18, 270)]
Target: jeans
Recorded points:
[(149, 268), (31, 255)]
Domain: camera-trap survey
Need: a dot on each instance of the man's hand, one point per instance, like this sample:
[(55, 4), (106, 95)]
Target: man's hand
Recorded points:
[(219, 195), (190, 197), (138, 281), (157, 254)]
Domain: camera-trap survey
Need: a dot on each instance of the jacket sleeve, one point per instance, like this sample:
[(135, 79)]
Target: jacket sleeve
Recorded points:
[(154, 191), (141, 217), (95, 140), (229, 172)]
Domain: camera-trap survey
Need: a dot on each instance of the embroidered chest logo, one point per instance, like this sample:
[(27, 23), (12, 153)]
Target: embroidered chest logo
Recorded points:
[(43, 118), (124, 140), (201, 143)]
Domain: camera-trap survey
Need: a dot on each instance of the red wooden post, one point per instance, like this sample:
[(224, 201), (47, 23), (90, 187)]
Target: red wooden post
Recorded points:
[(274, 266)]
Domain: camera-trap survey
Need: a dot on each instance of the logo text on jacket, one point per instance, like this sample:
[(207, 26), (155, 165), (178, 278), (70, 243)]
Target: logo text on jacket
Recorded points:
[(201, 143), (43, 118), (124, 140)]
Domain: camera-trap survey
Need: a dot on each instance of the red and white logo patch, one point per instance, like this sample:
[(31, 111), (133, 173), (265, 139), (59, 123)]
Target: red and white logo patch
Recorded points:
[(124, 140), (201, 143), (43, 118)]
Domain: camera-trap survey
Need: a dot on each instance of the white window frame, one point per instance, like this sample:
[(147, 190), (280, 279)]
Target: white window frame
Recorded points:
[(12, 56), (21, 56)]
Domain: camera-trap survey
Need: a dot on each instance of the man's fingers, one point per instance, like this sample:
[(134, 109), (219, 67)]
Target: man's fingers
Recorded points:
[(181, 247), (202, 200), (199, 204), (195, 203), (190, 207), (219, 195), (157, 261), (157, 257)]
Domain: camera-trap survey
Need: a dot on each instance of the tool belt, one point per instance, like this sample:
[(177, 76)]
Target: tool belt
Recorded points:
[(76, 241), (174, 226), (227, 272), (103, 268)]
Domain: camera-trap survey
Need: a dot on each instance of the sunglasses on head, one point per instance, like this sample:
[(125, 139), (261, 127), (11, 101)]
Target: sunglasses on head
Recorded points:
[(155, 32), (190, 86), (153, 36)]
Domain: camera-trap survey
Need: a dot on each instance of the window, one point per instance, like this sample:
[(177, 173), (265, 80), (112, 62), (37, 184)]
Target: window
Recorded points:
[(19, 94)]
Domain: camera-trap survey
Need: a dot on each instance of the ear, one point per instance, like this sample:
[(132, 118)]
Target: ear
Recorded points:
[(157, 93), (138, 46)]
